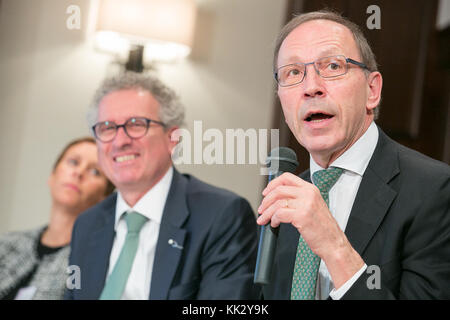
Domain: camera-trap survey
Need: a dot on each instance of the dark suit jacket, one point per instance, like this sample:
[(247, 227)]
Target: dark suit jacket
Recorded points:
[(215, 227), (400, 222)]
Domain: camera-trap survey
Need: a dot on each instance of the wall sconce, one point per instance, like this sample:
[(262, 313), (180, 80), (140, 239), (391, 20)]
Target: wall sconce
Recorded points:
[(150, 30)]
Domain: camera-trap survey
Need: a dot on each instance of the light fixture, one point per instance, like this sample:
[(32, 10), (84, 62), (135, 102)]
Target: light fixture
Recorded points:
[(154, 30)]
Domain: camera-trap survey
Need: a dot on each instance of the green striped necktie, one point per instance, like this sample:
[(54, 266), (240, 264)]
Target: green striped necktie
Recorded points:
[(307, 262)]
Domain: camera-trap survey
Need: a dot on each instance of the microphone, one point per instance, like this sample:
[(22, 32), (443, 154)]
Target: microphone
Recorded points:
[(280, 160)]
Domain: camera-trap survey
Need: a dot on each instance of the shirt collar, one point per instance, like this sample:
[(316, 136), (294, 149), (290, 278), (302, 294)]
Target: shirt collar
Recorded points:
[(151, 205), (357, 157)]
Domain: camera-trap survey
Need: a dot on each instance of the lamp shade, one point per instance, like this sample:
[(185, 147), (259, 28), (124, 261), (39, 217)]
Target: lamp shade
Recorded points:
[(164, 23)]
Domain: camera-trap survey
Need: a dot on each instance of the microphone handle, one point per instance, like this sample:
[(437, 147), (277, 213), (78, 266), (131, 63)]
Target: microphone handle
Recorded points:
[(266, 249)]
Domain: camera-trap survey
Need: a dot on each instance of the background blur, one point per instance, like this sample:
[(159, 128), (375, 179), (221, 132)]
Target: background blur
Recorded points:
[(48, 75)]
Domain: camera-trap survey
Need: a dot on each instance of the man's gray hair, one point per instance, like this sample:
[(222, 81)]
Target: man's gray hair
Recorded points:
[(171, 111), (365, 51)]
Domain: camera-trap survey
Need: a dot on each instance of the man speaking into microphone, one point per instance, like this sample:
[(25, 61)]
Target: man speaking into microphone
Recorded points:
[(370, 219)]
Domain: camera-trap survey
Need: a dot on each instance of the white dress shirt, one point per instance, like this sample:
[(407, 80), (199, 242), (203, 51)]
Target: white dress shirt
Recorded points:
[(150, 205), (354, 161)]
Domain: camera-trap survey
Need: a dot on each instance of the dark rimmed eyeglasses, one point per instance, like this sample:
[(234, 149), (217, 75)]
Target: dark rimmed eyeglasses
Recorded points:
[(135, 128), (327, 67)]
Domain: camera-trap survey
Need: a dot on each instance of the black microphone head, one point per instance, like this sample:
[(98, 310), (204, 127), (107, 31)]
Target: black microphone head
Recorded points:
[(283, 158)]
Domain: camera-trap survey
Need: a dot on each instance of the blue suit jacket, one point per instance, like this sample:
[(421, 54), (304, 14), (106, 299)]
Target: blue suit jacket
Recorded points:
[(215, 227), (400, 222)]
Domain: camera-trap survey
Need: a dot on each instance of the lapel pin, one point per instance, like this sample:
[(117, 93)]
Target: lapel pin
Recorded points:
[(174, 244)]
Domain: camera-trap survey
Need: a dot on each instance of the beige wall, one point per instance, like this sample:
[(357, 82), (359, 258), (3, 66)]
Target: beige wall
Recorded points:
[(48, 74)]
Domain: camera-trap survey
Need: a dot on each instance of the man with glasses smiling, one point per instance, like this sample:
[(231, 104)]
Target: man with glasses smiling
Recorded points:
[(163, 235), (370, 219)]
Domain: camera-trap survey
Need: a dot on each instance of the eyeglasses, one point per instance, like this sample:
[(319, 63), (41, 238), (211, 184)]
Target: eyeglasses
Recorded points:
[(134, 128), (327, 67)]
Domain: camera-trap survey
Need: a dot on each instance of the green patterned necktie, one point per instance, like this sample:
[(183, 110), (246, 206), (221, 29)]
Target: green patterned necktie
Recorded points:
[(115, 284), (306, 262)]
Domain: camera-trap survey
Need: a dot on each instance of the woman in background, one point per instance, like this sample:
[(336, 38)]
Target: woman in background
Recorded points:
[(33, 263)]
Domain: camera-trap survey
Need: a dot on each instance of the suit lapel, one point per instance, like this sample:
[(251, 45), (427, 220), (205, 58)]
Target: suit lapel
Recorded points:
[(374, 195), (100, 245), (171, 238), (286, 250)]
